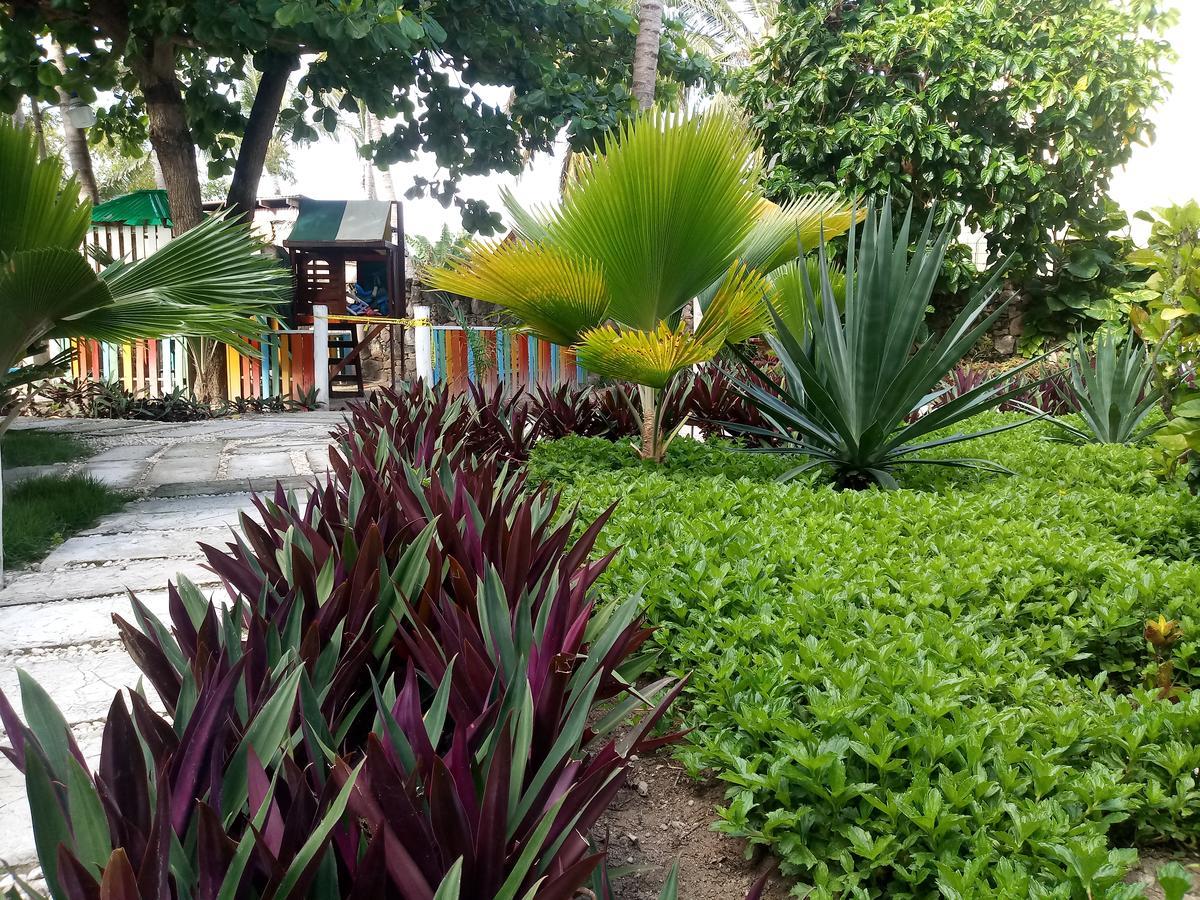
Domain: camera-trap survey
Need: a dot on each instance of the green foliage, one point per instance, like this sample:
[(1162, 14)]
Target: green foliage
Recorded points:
[(671, 210), (928, 691), (1011, 114), (40, 513), (210, 281), (1166, 312), (1113, 390), (1083, 278), (857, 386), (416, 65)]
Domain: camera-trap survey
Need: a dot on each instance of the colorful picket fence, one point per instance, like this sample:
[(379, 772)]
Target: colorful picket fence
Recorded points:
[(149, 368), (509, 358), (283, 369)]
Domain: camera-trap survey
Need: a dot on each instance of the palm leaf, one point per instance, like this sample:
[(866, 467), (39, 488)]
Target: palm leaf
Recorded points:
[(556, 296), (662, 211), (651, 358), (40, 209)]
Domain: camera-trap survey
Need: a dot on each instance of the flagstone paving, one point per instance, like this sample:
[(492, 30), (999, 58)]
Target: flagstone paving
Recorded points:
[(192, 480)]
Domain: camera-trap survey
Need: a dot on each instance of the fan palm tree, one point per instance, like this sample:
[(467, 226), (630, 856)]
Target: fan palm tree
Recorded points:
[(210, 281), (672, 210)]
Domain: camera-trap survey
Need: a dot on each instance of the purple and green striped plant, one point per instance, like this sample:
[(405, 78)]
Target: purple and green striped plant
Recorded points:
[(431, 632)]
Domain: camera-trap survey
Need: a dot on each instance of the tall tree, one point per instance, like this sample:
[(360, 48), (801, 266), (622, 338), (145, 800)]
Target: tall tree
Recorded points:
[(645, 51), (172, 67), (1011, 114), (74, 139)]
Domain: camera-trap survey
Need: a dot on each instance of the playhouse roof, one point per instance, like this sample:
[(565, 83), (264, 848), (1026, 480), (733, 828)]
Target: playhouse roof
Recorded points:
[(331, 223), (137, 208)]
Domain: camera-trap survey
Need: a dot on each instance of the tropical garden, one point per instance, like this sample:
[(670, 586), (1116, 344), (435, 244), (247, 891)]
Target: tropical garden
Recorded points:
[(894, 547)]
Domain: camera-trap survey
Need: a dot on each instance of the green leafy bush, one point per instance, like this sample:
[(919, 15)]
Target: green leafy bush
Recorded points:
[(940, 690)]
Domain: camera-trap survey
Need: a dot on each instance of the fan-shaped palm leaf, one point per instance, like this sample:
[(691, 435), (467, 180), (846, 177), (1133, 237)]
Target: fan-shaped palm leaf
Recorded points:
[(40, 210), (556, 296), (210, 281), (651, 358), (662, 210)]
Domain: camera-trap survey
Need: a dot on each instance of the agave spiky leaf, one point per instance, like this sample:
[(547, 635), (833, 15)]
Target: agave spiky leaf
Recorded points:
[(853, 383), (1113, 387)]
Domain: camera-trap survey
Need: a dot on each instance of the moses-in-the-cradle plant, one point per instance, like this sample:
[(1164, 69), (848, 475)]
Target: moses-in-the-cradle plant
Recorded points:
[(861, 382), (401, 699)]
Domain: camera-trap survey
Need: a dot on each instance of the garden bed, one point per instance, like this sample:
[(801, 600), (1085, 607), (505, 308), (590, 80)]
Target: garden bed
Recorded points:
[(940, 688)]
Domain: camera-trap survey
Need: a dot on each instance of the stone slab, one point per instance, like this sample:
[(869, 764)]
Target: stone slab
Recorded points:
[(230, 486), (45, 625), (133, 545), (100, 581), (260, 465), (174, 514), (118, 473), (81, 680)]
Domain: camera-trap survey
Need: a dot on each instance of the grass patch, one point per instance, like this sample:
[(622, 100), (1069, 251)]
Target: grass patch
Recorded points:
[(34, 447), (938, 691), (40, 513)]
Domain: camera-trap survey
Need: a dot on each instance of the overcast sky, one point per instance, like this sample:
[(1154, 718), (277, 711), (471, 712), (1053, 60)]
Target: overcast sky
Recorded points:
[(1165, 172)]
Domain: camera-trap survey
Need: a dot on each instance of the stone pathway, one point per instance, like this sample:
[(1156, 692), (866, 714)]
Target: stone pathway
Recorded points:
[(55, 620)]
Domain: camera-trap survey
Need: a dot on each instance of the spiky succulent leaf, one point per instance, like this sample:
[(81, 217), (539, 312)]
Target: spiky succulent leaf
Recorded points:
[(853, 385), (1112, 385), (786, 290)]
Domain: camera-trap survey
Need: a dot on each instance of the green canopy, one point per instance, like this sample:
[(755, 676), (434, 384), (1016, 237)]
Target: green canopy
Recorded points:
[(138, 208)]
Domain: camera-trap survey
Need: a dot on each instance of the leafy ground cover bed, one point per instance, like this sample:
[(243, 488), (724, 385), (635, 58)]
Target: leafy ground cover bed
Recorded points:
[(950, 689)]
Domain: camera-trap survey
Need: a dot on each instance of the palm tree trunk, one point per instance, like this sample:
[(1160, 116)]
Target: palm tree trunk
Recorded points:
[(39, 131), (386, 185), (651, 437), (645, 51), (74, 139)]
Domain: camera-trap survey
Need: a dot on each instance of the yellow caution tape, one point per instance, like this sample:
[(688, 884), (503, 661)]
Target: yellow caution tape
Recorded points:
[(379, 320)]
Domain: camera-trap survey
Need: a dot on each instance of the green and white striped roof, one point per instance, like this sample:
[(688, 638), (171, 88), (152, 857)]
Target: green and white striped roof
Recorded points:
[(326, 222)]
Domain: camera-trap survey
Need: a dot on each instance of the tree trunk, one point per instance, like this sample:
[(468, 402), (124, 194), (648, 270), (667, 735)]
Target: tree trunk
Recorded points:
[(260, 128), (74, 139), (645, 51), (169, 134), (39, 131), (19, 114), (375, 133), (651, 438)]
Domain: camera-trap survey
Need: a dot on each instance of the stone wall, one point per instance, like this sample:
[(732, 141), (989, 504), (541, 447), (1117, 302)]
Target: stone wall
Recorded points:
[(1003, 339)]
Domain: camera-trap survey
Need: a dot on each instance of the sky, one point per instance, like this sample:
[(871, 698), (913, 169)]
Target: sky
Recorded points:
[(1165, 172)]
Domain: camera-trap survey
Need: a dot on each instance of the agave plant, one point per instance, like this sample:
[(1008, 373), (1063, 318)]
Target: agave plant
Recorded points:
[(1112, 387), (210, 281), (854, 379), (671, 211)]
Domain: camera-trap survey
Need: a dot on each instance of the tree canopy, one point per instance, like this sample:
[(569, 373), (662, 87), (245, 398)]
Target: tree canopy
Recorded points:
[(1009, 114), (174, 67)]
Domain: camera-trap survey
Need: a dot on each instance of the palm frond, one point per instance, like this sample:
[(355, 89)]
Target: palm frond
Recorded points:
[(40, 209), (662, 210), (556, 296), (739, 310), (651, 358)]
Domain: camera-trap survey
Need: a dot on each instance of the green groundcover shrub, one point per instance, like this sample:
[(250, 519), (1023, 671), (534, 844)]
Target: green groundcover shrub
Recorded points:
[(934, 691)]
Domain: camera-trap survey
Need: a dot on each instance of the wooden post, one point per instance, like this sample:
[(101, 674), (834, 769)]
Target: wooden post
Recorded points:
[(422, 335)]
